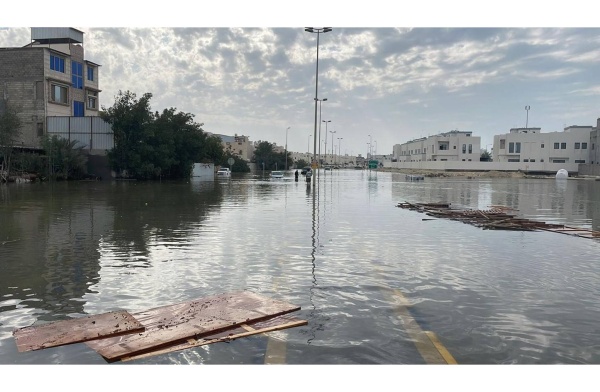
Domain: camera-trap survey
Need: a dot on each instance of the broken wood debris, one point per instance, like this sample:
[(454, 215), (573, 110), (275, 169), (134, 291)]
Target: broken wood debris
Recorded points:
[(496, 218), (167, 328), (167, 325), (82, 329)]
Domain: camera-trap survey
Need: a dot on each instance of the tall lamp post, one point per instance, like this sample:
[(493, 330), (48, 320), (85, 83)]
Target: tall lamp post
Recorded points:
[(320, 103), (286, 132), (318, 31), (370, 146), (308, 145), (328, 121), (527, 119), (332, 157), (339, 148)]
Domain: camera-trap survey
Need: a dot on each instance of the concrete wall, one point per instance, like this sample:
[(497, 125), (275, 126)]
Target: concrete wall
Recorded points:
[(589, 170), (537, 167), (22, 89)]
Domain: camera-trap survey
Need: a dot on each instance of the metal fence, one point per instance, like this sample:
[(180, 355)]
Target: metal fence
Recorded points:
[(92, 133)]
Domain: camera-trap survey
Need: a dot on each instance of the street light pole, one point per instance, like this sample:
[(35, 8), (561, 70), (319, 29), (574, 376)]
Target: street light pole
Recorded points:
[(328, 121), (320, 104), (332, 153), (370, 146), (339, 148), (286, 132), (318, 31), (308, 145), (527, 119)]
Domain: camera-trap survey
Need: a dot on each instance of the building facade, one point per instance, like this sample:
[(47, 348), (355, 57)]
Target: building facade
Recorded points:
[(448, 146), (530, 145), (48, 77), (237, 145)]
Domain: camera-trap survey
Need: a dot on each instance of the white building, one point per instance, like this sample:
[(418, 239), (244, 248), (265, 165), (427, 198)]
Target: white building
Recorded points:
[(530, 145), (448, 146)]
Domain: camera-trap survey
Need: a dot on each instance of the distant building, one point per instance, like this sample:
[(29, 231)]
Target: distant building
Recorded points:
[(595, 149), (237, 145), (448, 146), (530, 145), (48, 77)]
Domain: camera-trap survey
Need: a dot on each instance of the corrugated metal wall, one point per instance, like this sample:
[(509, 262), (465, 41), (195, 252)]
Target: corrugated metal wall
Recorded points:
[(91, 132)]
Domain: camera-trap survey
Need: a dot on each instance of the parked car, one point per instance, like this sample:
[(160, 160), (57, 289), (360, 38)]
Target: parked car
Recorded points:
[(276, 174), (305, 169)]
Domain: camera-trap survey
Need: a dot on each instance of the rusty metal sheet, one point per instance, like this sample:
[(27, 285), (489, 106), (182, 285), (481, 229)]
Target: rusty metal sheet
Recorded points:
[(76, 330), (171, 324), (242, 330)]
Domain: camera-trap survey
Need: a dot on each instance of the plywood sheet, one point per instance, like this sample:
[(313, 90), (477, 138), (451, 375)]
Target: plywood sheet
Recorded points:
[(171, 324), (274, 324), (76, 330)]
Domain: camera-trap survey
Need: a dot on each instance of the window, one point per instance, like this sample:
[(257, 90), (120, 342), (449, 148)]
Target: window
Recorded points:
[(77, 109), (454, 147), (58, 93), (558, 161), (57, 63), (579, 160), (584, 146), (514, 160), (577, 146), (542, 145), (525, 160), (518, 147), (511, 148), (470, 149), (542, 160), (77, 74), (563, 146), (533, 160), (556, 146), (92, 99), (40, 128), (502, 144), (90, 72), (464, 149)]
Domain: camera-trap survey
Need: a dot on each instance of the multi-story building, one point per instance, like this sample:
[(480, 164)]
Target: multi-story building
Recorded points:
[(48, 77), (448, 146), (240, 146), (595, 149), (531, 145)]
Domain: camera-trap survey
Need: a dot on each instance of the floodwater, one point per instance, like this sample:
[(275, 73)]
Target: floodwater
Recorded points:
[(371, 278)]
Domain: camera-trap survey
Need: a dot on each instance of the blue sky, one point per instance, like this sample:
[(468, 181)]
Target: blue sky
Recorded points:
[(393, 73)]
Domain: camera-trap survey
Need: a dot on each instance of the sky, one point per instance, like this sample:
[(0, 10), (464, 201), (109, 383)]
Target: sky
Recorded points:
[(389, 74)]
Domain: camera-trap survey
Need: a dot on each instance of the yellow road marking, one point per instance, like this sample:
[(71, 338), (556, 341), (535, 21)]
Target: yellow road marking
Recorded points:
[(441, 348)]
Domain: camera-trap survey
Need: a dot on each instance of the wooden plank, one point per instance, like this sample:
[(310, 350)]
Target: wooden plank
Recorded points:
[(243, 330), (171, 324), (76, 330)]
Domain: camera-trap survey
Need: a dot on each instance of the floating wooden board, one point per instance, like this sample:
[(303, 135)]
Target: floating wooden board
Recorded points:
[(274, 324), (496, 219), (76, 330), (172, 324)]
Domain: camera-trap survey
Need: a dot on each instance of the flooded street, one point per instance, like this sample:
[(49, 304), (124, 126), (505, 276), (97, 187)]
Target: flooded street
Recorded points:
[(372, 279)]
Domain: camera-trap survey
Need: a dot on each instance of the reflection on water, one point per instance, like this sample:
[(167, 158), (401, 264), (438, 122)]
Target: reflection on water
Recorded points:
[(339, 248)]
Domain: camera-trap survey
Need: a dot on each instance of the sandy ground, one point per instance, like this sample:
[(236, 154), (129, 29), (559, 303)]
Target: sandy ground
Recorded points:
[(440, 173)]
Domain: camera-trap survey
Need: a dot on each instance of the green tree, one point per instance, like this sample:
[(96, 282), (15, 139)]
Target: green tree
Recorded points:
[(485, 156), (66, 160), (10, 133), (272, 160), (300, 163), (156, 145), (130, 119), (239, 164)]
